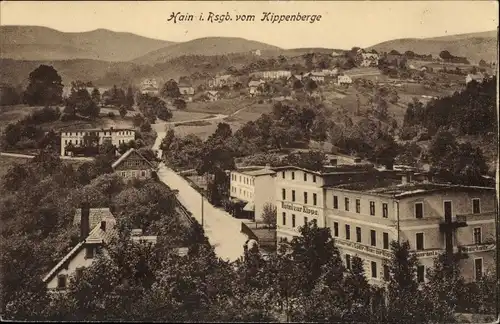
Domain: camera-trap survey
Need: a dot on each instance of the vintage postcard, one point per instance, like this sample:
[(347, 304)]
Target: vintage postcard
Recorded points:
[(249, 161)]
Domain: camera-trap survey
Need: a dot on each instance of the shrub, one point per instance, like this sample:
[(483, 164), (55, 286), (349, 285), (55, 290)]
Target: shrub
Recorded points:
[(111, 114)]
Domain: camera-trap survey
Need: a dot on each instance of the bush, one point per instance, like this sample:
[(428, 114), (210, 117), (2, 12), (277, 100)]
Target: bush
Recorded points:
[(67, 117), (111, 114)]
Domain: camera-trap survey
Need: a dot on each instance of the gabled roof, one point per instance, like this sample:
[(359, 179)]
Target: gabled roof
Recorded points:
[(255, 83), (213, 93), (95, 216), (184, 85), (96, 236), (126, 155)]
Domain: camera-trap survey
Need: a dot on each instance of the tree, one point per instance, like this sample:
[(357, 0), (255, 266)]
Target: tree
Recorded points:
[(167, 140), (170, 89), (123, 111), (45, 87), (96, 96), (129, 99), (80, 101), (406, 303), (311, 85), (180, 104), (10, 96), (445, 55), (269, 215)]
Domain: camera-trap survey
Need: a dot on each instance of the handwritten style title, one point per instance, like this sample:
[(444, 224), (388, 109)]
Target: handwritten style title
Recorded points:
[(268, 17)]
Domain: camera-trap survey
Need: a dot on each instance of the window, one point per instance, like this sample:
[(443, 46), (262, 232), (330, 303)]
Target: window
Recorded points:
[(335, 202), (420, 273), (284, 218), (385, 213), (61, 281), (387, 275), (283, 174), (293, 195), (293, 220), (305, 176), (420, 241), (346, 203), (293, 175), (347, 232), (78, 273), (476, 206), (478, 268), (386, 240), (143, 173), (314, 178), (373, 238), (477, 235), (374, 269), (348, 261), (358, 206), (315, 199), (305, 220), (372, 208), (336, 229), (358, 234), (283, 193), (89, 252), (240, 178), (419, 210), (305, 197)]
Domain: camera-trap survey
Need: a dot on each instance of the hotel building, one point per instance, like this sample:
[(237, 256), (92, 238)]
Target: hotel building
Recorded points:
[(255, 187), (114, 136), (366, 210)]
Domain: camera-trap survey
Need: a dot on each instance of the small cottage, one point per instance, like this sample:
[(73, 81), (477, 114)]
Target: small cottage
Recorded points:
[(133, 165)]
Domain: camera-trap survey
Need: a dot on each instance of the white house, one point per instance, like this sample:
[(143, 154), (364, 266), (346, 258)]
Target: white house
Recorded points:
[(213, 95), (149, 86), (92, 243), (478, 77), (76, 137), (255, 187), (253, 87), (344, 80)]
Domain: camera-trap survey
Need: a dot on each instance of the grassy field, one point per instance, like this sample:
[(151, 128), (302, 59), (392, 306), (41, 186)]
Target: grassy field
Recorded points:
[(11, 114), (223, 106)]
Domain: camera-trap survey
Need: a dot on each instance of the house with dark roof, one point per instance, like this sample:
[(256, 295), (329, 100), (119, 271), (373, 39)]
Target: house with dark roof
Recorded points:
[(93, 242), (132, 165)]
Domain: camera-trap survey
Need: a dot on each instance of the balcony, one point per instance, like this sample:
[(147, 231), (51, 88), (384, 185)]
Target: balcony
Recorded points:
[(456, 222)]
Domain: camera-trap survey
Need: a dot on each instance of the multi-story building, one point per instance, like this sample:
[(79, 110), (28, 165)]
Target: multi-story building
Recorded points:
[(369, 210), (255, 186), (77, 137), (149, 86)]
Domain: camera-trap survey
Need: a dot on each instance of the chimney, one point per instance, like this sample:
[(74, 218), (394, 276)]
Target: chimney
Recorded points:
[(103, 226), (333, 161), (84, 221)]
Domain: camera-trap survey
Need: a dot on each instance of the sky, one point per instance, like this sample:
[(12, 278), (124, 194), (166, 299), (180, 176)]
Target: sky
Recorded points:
[(343, 24)]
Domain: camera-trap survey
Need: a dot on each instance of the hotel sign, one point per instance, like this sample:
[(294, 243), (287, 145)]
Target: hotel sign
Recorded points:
[(364, 248), (300, 209), (428, 254), (477, 248)]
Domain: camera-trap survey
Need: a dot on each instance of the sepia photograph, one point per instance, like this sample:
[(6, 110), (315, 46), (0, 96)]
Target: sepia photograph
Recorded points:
[(249, 161)]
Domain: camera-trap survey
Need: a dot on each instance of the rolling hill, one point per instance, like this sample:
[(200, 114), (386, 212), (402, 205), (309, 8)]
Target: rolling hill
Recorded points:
[(204, 46), (41, 43), (474, 46)]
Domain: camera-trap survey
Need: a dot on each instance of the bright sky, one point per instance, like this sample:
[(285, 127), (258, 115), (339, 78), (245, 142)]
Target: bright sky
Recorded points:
[(343, 24)]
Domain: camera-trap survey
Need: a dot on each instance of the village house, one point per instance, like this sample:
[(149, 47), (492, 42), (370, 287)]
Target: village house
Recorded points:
[(220, 81), (149, 86), (77, 137), (330, 72), (293, 78), (318, 77), (94, 240), (254, 87), (478, 77), (254, 186), (344, 80), (213, 95), (133, 165), (256, 52), (336, 54), (186, 88), (272, 74)]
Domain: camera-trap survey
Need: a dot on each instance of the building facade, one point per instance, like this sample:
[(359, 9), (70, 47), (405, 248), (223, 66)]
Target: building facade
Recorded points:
[(366, 213), (77, 137), (132, 165), (255, 186), (278, 74)]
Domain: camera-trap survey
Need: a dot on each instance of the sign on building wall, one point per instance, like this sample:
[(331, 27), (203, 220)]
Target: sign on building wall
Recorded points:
[(300, 209)]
